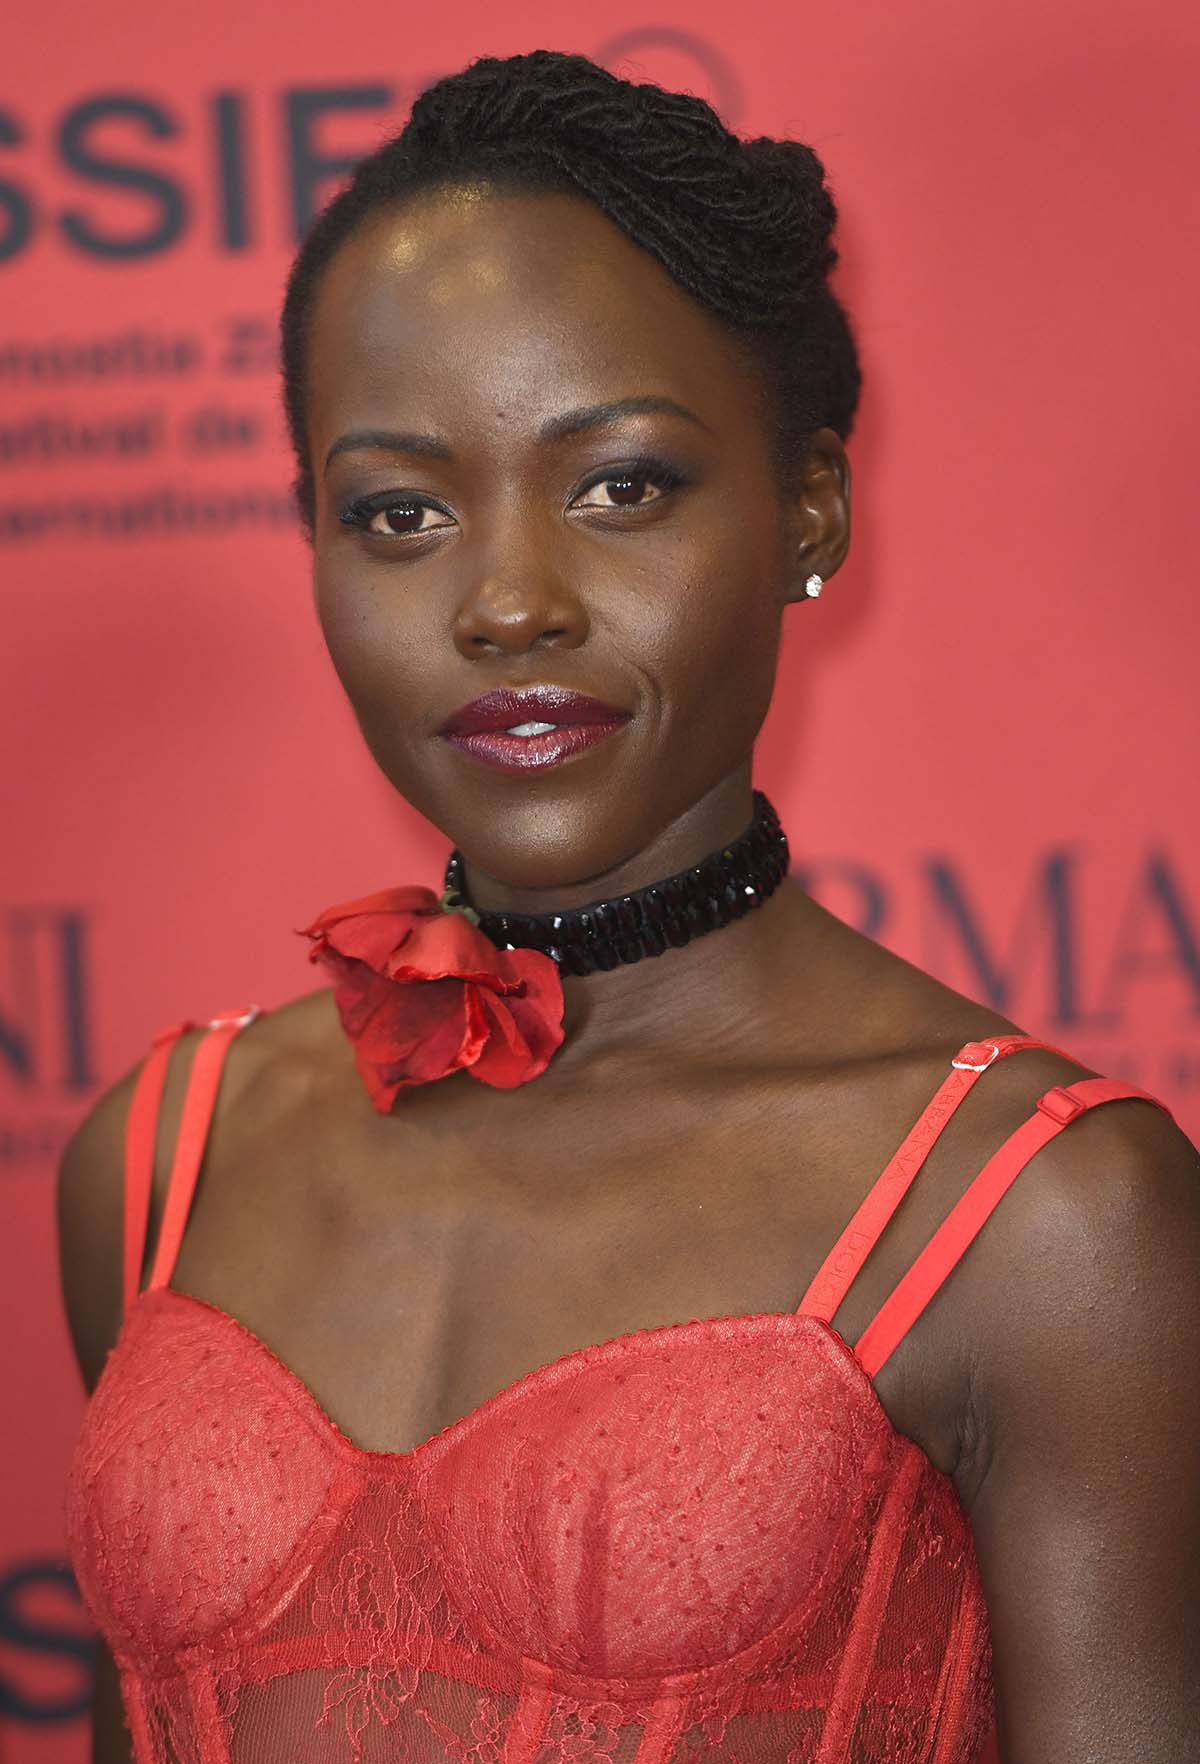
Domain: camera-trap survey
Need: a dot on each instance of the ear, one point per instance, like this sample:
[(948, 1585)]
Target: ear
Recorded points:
[(818, 521)]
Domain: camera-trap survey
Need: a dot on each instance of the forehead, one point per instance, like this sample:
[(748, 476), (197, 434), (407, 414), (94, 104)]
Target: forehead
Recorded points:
[(531, 300)]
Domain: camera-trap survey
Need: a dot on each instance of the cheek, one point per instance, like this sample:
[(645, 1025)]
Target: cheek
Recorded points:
[(714, 643), (379, 658), (361, 632)]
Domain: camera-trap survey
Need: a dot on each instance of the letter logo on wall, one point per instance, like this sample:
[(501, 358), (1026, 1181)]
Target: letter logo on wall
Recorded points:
[(174, 163), (1096, 972), (47, 1062), (673, 58), (47, 1652)]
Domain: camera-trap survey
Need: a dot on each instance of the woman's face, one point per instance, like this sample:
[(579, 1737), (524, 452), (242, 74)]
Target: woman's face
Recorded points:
[(513, 539)]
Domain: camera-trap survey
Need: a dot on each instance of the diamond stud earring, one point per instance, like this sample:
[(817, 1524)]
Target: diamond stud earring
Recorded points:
[(813, 586)]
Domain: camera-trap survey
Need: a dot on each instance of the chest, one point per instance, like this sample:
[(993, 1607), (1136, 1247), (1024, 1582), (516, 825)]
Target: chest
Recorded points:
[(409, 1268)]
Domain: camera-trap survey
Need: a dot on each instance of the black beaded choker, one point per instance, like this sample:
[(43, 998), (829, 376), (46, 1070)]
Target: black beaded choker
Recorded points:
[(665, 915)]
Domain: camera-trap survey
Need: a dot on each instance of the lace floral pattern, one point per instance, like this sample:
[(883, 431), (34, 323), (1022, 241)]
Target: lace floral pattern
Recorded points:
[(580, 1733), (384, 1591)]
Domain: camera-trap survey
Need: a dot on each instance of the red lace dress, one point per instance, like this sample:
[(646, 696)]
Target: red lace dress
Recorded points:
[(702, 1543)]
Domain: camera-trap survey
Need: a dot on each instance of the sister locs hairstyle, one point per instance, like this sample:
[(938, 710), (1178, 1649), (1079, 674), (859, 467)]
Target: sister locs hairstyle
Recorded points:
[(743, 225)]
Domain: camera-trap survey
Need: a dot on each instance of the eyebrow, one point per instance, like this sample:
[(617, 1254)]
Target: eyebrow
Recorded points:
[(559, 428)]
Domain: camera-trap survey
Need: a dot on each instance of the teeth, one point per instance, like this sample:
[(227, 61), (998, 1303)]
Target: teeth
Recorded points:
[(531, 729)]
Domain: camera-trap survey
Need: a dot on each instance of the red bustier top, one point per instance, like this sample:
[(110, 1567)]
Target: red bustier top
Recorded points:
[(701, 1543)]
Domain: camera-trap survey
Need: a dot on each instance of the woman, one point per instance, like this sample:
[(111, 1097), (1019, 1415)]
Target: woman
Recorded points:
[(465, 1409)]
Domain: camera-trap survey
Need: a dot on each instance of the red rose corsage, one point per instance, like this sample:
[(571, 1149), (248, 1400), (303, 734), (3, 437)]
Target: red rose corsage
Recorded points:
[(421, 993)]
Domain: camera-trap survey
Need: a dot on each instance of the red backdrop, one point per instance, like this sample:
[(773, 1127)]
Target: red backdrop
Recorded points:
[(984, 739)]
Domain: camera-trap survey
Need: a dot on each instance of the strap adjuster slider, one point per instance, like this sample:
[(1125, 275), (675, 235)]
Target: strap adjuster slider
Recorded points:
[(1060, 1105)]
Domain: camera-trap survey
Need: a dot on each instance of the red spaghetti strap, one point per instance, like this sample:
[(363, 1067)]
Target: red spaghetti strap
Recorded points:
[(837, 1273), (198, 1104), (1055, 1110), (141, 1132)]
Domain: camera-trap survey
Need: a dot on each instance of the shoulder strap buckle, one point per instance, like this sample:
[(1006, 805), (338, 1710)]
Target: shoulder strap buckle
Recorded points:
[(968, 1056), (243, 1019)]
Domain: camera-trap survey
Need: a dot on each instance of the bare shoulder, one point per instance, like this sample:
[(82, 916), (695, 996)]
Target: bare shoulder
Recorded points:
[(1095, 1255), (270, 1068), (1104, 1211), (897, 1013), (1080, 1473), (277, 1064)]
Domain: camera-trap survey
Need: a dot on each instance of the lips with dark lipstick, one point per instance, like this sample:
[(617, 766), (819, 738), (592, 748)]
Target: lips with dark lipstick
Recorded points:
[(528, 728)]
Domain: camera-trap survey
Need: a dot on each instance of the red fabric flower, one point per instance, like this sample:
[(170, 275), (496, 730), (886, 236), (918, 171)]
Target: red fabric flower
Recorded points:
[(422, 993)]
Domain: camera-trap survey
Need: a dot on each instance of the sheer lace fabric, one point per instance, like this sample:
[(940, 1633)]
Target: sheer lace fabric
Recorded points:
[(697, 1544)]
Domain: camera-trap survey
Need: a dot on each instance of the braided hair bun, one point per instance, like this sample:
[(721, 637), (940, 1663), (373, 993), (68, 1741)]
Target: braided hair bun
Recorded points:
[(744, 226)]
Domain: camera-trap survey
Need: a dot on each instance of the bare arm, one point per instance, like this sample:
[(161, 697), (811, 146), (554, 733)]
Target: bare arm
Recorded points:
[(111, 1740), (90, 1241), (1083, 1485)]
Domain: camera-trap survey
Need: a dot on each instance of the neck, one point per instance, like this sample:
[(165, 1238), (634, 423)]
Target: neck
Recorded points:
[(674, 999), (717, 990)]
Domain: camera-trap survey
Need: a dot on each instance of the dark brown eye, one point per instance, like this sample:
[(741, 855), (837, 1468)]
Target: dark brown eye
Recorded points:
[(394, 517), (633, 483), (626, 490), (400, 517)]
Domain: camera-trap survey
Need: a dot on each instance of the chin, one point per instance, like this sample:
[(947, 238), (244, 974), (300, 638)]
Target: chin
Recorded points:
[(553, 847), (565, 855)]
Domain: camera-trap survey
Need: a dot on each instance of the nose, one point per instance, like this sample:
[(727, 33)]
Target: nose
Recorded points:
[(521, 604)]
